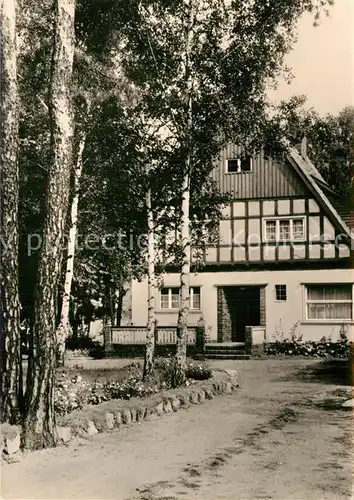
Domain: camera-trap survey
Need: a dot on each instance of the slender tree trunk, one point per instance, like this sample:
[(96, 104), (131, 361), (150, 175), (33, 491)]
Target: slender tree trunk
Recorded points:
[(150, 327), (179, 376), (39, 428), (182, 322), (119, 310), (64, 329), (11, 388)]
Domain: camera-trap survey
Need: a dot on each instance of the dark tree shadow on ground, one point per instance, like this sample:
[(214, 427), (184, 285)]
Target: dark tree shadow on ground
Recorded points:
[(332, 371)]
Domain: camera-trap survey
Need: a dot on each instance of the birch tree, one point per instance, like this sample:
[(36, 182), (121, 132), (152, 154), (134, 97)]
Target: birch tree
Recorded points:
[(39, 425), (64, 330), (9, 244), (182, 322), (151, 279)]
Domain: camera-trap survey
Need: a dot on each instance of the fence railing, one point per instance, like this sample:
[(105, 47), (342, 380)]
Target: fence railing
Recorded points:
[(128, 335), (169, 335), (134, 335)]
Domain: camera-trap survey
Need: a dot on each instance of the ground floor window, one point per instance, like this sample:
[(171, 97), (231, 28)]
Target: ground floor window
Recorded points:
[(170, 298), (280, 292), (329, 302)]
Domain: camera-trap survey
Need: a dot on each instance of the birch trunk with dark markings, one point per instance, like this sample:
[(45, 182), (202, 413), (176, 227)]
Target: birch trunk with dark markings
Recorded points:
[(39, 426), (179, 376), (150, 327), (11, 383), (64, 330)]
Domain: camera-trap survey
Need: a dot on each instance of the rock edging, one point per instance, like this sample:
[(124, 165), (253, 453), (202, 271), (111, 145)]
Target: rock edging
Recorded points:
[(115, 413), (112, 414)]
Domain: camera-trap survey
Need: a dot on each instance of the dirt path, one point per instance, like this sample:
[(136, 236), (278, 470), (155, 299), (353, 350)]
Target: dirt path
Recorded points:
[(269, 440)]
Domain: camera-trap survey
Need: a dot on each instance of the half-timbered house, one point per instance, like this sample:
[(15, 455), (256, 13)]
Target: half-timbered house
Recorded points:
[(282, 262)]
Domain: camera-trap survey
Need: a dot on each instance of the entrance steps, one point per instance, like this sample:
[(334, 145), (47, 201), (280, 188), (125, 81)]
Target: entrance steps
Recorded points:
[(230, 350)]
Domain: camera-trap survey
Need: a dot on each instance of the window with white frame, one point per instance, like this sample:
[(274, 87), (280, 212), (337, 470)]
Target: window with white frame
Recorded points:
[(239, 165), (170, 298), (285, 229), (329, 302)]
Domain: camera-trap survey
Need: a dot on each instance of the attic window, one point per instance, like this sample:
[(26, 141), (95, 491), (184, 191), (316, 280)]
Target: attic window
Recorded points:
[(239, 165)]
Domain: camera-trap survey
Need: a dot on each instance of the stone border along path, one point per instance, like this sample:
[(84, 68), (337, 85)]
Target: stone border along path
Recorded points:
[(112, 414)]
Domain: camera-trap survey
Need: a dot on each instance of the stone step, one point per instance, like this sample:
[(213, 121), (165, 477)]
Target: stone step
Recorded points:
[(227, 356), (225, 346), (224, 351)]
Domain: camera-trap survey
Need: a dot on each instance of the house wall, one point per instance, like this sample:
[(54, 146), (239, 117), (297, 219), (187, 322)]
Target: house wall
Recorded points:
[(242, 228), (267, 179), (279, 316)]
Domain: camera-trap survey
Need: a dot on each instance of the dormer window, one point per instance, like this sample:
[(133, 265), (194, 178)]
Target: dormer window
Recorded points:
[(239, 165)]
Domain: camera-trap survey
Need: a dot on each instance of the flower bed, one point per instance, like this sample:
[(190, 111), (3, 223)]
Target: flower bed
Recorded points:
[(75, 390), (116, 412), (320, 349)]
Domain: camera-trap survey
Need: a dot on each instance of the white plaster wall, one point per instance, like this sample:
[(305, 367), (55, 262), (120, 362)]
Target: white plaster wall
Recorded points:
[(280, 316)]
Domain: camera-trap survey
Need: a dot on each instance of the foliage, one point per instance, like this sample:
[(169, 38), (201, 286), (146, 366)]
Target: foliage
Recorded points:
[(329, 139), (72, 392), (308, 349), (293, 345), (200, 371), (73, 343)]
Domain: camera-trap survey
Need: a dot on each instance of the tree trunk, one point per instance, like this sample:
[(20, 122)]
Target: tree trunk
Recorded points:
[(9, 183), (64, 329), (150, 327), (179, 376), (182, 323), (119, 303), (39, 428)]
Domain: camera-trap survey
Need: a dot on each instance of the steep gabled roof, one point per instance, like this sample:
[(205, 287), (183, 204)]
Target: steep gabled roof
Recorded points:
[(317, 185), (312, 170)]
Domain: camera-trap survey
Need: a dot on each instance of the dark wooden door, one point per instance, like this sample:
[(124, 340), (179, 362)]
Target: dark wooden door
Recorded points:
[(244, 307)]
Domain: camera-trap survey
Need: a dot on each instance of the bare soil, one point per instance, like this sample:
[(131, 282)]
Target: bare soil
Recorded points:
[(281, 436)]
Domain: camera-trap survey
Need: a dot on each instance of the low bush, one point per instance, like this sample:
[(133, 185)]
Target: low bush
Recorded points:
[(319, 349), (199, 371), (194, 371), (293, 344), (75, 343)]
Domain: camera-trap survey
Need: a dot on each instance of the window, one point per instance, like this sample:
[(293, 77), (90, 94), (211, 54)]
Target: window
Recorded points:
[(271, 230), (325, 302), (280, 292), (284, 229), (239, 165), (195, 298), (298, 229), (170, 298)]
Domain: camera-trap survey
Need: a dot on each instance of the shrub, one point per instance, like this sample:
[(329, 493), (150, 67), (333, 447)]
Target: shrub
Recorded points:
[(293, 345), (74, 343), (199, 371), (310, 349), (194, 371), (71, 393)]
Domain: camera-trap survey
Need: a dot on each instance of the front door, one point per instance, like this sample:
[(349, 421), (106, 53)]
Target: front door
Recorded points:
[(244, 307)]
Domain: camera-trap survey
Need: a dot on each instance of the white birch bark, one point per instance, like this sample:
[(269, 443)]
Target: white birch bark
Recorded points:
[(182, 323), (64, 328), (150, 327)]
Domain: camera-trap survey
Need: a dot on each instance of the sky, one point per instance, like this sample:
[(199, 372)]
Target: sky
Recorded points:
[(323, 61)]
